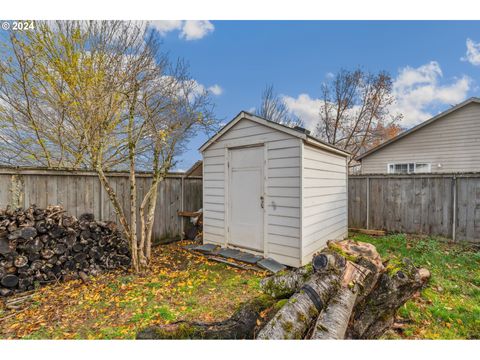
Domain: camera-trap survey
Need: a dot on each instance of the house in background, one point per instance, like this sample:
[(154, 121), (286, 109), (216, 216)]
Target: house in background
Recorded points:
[(448, 142), (195, 170)]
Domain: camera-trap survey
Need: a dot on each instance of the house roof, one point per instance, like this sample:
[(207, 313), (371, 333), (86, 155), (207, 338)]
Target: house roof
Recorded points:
[(419, 126), (193, 168), (274, 125)]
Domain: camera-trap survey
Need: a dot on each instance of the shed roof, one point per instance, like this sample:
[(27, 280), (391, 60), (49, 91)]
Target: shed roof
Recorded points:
[(419, 126), (274, 125)]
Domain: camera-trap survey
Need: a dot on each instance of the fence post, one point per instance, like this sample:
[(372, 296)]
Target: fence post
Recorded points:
[(368, 202), (182, 206), (101, 200), (454, 210)]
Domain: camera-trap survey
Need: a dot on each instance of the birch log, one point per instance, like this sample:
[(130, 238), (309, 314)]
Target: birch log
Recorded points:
[(294, 319), (285, 283), (333, 322), (376, 312)]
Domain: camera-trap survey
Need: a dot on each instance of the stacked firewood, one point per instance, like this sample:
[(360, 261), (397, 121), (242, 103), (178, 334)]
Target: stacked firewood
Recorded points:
[(347, 292), (39, 246)]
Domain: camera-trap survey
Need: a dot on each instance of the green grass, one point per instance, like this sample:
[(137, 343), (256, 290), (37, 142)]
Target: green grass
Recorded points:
[(449, 308), (184, 286)]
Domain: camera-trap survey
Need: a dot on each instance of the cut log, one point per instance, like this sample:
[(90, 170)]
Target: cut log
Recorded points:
[(44, 245), (294, 319), (20, 261), (241, 325), (9, 281), (333, 322), (327, 261), (285, 283), (4, 246), (376, 313), (28, 232), (88, 217), (363, 254)]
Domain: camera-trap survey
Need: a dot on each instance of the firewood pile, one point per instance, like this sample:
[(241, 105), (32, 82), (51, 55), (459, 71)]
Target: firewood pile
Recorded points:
[(39, 246), (347, 292)]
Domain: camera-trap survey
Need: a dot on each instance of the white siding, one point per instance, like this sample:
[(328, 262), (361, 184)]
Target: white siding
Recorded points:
[(324, 200), (305, 192), (452, 141), (282, 201)]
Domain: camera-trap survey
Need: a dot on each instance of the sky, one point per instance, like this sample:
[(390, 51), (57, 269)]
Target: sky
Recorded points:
[(434, 64)]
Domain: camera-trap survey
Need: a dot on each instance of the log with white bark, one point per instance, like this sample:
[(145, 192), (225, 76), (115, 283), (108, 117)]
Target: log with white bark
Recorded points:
[(346, 292), (376, 312), (362, 306), (294, 319), (285, 283), (333, 322)]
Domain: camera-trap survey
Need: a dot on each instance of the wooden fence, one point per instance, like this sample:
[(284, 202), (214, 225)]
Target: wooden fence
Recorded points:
[(81, 191), (445, 204)]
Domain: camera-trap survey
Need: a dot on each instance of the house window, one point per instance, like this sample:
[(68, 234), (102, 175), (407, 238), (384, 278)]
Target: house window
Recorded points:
[(409, 168)]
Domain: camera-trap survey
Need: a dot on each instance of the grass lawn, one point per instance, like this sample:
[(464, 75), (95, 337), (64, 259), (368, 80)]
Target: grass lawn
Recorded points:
[(114, 306), (185, 286), (449, 308)]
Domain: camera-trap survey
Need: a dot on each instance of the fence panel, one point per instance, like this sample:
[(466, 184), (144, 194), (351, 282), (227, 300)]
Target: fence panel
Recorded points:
[(80, 192), (422, 204)]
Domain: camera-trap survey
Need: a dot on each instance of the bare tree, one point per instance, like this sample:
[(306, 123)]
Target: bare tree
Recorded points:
[(100, 95), (355, 105), (275, 109)]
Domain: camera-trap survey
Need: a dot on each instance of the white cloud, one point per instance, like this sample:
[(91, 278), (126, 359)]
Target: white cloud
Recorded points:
[(216, 89), (417, 91), (165, 26), (196, 29), (189, 29), (473, 53), (306, 108), (199, 88)]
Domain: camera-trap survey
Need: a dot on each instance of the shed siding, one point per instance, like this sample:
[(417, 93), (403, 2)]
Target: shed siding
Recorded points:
[(324, 200), (452, 141), (282, 201)]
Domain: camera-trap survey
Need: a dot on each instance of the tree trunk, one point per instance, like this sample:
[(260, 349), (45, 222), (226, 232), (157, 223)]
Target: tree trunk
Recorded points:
[(119, 211), (285, 283), (346, 293), (376, 312), (150, 220), (294, 319), (363, 306), (333, 322)]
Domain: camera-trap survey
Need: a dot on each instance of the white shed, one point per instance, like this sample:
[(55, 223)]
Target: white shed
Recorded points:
[(272, 190)]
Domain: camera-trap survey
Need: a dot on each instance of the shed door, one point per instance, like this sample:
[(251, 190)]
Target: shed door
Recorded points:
[(246, 197)]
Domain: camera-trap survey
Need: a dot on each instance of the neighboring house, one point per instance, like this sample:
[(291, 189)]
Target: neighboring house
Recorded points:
[(195, 170), (448, 142), (273, 190)]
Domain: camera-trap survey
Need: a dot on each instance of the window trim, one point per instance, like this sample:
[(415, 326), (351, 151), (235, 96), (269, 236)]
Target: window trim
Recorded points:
[(429, 167)]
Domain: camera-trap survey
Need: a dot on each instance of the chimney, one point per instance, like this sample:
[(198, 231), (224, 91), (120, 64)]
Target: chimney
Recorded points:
[(302, 130)]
